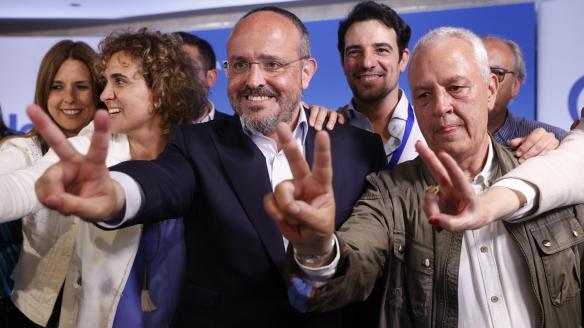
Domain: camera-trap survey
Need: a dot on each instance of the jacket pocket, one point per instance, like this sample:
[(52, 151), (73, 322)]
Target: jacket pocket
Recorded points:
[(395, 296), (557, 239), (420, 274)]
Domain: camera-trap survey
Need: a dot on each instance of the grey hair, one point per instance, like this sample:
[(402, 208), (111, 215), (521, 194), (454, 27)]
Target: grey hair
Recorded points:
[(519, 65), (441, 33)]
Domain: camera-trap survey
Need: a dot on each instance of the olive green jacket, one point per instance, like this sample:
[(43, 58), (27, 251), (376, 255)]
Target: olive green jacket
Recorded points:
[(388, 243)]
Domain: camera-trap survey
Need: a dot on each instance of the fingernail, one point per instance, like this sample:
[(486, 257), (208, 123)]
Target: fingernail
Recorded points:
[(518, 153)]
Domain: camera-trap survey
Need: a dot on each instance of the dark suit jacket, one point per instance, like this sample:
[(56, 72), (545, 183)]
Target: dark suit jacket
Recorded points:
[(215, 177), (220, 115)]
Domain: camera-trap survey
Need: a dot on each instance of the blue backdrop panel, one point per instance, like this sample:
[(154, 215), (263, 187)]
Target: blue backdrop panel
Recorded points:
[(329, 88)]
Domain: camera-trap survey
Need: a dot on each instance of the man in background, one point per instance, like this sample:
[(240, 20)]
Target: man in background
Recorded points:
[(507, 63), (204, 57), (373, 45)]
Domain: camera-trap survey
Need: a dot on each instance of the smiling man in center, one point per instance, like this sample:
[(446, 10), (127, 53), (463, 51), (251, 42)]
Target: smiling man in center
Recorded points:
[(215, 176)]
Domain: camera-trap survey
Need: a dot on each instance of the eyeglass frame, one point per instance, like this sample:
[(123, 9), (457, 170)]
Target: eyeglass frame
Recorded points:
[(261, 64), (501, 73)]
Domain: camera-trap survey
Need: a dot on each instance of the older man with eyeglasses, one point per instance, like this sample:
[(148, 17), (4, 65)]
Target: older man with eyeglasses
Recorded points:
[(507, 63), (215, 176)]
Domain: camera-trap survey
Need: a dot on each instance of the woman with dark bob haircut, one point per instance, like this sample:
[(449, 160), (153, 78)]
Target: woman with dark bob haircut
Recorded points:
[(128, 277)]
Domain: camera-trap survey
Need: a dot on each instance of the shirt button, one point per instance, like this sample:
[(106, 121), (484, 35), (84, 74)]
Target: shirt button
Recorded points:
[(484, 249), (575, 233), (400, 248), (494, 299), (547, 243), (426, 263)]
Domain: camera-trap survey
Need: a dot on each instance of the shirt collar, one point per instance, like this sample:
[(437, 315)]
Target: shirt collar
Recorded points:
[(300, 131), (400, 112), (506, 131), (211, 115), (482, 180)]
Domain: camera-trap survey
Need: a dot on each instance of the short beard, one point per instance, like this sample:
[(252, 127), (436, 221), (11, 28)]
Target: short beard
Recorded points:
[(268, 124), (371, 98)]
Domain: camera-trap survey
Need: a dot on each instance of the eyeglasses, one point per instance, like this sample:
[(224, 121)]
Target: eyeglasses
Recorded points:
[(269, 66), (500, 72)]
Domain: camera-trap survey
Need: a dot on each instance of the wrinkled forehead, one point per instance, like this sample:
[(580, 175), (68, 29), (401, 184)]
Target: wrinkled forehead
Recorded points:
[(264, 34)]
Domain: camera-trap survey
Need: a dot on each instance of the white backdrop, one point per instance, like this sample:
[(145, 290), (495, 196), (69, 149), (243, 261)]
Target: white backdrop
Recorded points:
[(19, 67), (560, 69)]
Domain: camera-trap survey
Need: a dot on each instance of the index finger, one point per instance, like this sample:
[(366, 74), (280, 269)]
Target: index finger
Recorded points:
[(100, 140), (322, 168), (51, 133), (295, 158), (435, 166), (458, 178)]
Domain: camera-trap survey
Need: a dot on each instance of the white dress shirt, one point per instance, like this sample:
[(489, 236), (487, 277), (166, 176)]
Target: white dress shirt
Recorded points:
[(396, 128), (210, 116), (493, 290)]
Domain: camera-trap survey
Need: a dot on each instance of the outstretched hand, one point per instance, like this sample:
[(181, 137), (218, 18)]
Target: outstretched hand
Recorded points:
[(455, 206), (77, 184), (304, 207)]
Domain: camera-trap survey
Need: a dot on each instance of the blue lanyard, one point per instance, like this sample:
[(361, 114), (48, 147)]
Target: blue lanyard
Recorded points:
[(398, 152)]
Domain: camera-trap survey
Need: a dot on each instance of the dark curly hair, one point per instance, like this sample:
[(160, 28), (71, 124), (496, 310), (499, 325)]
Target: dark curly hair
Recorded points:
[(168, 71)]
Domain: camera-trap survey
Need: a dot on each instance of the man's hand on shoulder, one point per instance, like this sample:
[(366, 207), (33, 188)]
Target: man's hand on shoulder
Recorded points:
[(537, 143), (318, 114)]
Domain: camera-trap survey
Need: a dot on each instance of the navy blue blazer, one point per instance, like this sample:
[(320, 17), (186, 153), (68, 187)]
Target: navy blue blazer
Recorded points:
[(220, 115), (215, 177)]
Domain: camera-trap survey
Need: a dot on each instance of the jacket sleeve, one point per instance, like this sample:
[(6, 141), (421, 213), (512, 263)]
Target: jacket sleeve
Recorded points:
[(168, 183), (17, 179), (17, 187), (364, 247), (557, 175)]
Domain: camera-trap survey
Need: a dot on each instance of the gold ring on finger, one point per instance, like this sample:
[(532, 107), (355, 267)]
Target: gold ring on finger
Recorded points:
[(433, 189)]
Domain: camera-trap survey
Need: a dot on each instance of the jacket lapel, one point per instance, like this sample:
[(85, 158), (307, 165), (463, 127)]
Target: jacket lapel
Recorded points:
[(245, 167), (337, 160)]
